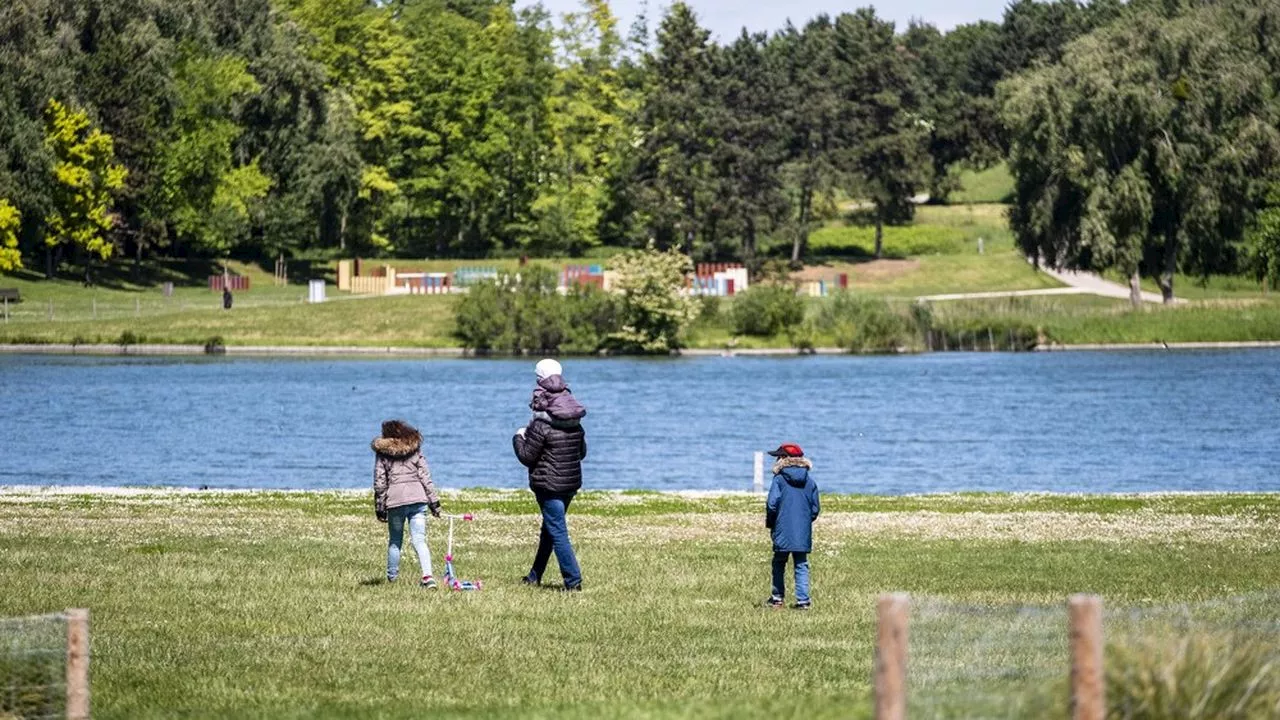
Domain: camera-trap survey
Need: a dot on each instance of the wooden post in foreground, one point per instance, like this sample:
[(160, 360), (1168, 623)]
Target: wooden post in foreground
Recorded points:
[(891, 657), (77, 664), (1088, 696)]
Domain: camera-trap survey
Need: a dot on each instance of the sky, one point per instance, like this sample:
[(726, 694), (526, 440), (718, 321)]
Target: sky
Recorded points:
[(726, 18)]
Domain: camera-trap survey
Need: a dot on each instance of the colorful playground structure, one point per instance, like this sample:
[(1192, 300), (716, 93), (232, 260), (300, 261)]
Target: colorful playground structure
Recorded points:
[(718, 279), (825, 286)]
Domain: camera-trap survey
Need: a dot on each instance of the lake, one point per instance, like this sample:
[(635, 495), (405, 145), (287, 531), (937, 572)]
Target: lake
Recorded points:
[(1071, 421)]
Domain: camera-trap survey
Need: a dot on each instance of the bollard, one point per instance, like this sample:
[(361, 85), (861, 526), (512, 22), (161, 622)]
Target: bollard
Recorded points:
[(1088, 696), (78, 664), (757, 482), (891, 657)]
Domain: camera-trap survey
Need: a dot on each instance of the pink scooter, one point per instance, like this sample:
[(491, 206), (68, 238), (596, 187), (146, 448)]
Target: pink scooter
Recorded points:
[(451, 580)]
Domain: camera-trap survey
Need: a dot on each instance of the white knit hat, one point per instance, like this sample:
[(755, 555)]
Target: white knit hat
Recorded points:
[(546, 368)]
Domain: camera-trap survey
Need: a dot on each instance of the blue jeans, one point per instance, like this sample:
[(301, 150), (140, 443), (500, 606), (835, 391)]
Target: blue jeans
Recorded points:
[(417, 517), (555, 535), (802, 575)]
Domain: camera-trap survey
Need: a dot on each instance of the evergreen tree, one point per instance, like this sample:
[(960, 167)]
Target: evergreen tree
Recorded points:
[(674, 177), (884, 133)]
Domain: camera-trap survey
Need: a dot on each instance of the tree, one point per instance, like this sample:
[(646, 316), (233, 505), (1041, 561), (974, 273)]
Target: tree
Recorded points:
[(884, 132), (205, 193), (675, 174), (86, 176), (1263, 248), (1146, 149), (588, 124), (958, 73), (810, 111), (751, 143), (10, 221)]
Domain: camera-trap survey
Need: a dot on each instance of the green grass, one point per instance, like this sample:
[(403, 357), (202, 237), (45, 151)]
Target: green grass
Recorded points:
[(936, 230), (270, 604), (993, 185), (408, 321)]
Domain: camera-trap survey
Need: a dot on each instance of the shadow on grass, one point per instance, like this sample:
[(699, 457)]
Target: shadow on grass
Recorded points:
[(370, 582)]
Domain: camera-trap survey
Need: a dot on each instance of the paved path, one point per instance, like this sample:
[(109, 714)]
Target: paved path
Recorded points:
[(1077, 283), (1090, 282)]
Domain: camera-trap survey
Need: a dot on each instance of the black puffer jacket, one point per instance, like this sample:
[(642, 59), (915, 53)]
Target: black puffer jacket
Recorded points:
[(553, 452)]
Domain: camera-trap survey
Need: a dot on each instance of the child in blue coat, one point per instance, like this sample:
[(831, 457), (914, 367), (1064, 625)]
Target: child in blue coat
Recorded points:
[(790, 510)]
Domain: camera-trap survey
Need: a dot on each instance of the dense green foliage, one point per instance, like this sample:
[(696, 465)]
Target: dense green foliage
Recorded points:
[(1141, 135), (767, 310), (525, 313), (1149, 146)]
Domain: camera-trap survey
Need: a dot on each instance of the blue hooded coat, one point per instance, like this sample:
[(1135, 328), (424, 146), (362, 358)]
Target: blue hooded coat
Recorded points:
[(792, 505)]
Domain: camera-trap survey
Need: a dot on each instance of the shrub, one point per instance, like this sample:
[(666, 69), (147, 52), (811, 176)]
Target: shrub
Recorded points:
[(653, 314), (767, 310), (128, 337), (708, 308), (591, 315), (484, 317), (861, 324), (215, 346), (529, 315)]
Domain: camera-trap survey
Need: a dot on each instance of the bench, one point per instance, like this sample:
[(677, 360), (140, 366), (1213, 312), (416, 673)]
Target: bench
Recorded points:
[(10, 294)]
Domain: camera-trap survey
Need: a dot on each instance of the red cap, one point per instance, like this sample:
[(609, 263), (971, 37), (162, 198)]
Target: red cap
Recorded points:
[(787, 450)]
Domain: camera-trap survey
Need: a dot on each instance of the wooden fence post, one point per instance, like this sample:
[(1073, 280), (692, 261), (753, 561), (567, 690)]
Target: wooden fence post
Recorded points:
[(77, 664), (1088, 690), (891, 657)]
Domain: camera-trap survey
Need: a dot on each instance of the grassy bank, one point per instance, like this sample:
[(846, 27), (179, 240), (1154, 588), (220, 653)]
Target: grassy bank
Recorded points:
[(271, 605)]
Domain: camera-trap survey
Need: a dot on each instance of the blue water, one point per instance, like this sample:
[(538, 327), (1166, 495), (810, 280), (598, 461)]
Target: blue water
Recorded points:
[(1103, 422)]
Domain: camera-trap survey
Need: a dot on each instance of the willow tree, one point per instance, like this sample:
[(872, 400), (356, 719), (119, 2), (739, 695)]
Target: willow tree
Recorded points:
[(1145, 150)]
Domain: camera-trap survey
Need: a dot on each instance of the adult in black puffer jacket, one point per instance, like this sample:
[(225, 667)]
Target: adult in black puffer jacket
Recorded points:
[(553, 452)]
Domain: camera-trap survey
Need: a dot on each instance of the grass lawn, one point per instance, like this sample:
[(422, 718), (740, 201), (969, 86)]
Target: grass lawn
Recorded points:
[(993, 185), (272, 605)]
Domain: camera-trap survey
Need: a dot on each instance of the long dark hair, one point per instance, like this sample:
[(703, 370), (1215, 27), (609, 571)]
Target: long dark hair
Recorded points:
[(398, 429)]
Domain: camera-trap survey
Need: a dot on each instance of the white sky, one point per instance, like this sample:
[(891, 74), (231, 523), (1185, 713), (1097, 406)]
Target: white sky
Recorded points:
[(726, 18)]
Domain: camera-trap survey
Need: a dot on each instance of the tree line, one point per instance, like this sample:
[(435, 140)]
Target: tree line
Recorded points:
[(1139, 134)]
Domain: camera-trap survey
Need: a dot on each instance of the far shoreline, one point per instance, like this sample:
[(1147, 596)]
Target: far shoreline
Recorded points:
[(174, 490), (304, 351)]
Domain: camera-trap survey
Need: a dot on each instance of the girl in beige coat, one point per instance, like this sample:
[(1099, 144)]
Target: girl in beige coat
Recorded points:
[(403, 491)]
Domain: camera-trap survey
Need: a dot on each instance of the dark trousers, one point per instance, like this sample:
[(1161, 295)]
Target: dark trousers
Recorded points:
[(555, 536), (801, 571)]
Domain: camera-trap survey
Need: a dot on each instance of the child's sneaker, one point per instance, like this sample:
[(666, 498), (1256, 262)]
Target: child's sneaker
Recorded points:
[(802, 605), (775, 602), (429, 582)]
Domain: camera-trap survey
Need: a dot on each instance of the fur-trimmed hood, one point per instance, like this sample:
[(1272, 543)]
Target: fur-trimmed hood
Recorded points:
[(786, 462), (397, 447), (795, 470)]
